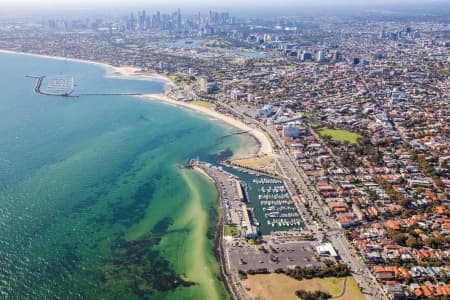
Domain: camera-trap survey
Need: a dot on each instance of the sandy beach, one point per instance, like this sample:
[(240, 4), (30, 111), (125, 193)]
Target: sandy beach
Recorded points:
[(127, 72), (137, 74), (265, 147)]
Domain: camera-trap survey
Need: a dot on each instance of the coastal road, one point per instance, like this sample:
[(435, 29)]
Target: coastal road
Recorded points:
[(336, 236), (290, 169)]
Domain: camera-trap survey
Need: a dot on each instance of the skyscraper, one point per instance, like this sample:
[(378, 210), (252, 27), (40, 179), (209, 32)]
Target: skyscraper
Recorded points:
[(179, 19)]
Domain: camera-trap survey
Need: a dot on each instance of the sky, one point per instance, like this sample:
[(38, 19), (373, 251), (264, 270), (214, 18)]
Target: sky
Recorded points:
[(219, 3), (10, 8)]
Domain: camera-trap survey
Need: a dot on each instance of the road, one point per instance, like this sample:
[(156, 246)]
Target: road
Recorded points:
[(327, 228)]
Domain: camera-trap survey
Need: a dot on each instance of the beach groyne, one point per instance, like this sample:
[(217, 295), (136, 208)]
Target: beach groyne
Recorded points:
[(264, 144)]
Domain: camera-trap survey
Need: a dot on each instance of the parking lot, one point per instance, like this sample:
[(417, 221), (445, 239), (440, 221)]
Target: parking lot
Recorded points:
[(271, 256)]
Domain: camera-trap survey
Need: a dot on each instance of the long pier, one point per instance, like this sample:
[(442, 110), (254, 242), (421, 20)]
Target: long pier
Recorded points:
[(112, 94), (40, 79)]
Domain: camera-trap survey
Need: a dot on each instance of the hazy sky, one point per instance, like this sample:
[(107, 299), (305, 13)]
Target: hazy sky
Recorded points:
[(212, 3), (75, 8)]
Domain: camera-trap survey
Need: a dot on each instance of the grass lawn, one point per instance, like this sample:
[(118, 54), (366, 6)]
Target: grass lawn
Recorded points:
[(203, 103), (309, 63), (229, 230), (340, 135), (287, 67), (257, 162), (280, 286), (309, 114), (352, 290)]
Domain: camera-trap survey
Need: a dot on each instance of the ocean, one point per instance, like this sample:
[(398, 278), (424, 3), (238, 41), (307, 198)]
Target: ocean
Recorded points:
[(94, 201)]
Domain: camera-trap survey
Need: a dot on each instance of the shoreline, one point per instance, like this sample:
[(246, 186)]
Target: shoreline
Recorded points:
[(124, 72), (264, 145), (233, 289), (198, 268), (134, 73), (218, 239)]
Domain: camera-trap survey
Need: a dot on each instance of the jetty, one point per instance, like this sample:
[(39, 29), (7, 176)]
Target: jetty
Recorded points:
[(112, 94), (63, 86)]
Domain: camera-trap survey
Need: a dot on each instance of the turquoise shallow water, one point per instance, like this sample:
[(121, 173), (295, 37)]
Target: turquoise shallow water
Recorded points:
[(92, 199)]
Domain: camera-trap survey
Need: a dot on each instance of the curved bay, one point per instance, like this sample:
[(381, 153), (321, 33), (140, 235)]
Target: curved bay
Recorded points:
[(92, 201)]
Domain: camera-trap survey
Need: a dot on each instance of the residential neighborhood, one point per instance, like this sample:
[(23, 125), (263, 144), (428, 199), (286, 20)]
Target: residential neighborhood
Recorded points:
[(358, 107)]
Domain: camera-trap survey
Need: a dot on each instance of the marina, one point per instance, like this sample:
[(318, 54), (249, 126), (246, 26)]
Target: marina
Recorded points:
[(233, 198), (269, 202), (64, 86), (276, 204), (60, 85)]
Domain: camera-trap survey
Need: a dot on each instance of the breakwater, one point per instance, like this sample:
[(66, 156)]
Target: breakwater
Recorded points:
[(38, 90)]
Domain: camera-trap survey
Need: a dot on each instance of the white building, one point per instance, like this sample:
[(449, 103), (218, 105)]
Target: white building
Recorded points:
[(321, 56), (326, 250), (266, 111), (235, 94)]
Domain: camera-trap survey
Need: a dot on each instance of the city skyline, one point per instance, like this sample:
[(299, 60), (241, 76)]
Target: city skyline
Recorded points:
[(76, 9), (170, 150)]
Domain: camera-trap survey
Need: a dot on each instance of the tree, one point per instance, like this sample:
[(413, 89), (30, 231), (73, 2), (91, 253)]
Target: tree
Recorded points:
[(397, 237), (437, 242), (404, 202), (443, 275), (413, 242), (317, 295)]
